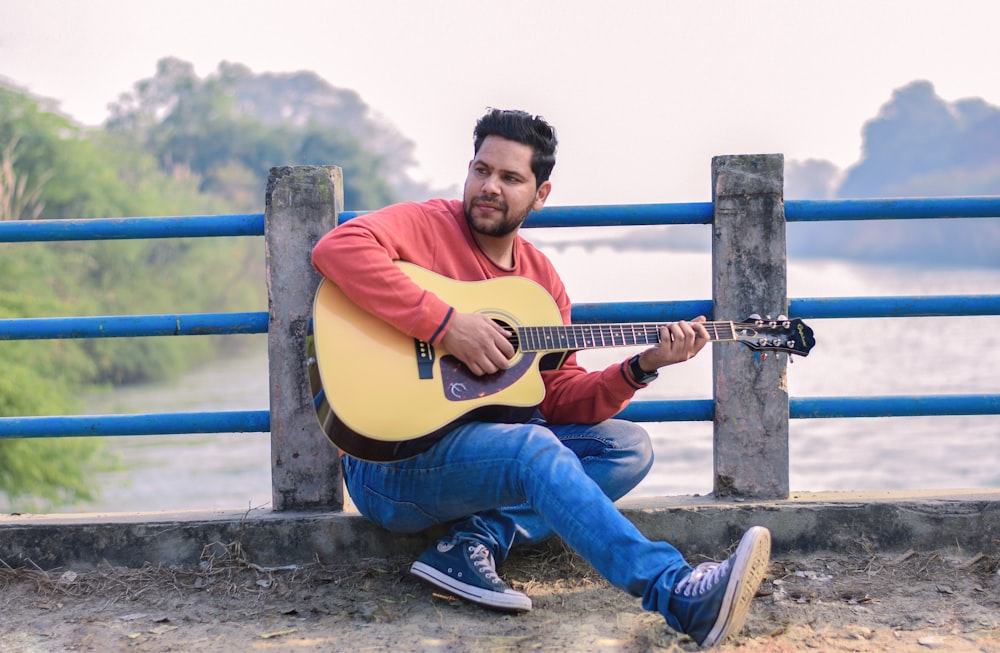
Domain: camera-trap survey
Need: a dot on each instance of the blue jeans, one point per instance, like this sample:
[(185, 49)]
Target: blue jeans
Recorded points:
[(513, 484)]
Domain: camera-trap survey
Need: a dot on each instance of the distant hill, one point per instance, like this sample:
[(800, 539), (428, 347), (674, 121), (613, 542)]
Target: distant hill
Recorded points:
[(917, 146), (920, 145), (305, 100), (226, 130)]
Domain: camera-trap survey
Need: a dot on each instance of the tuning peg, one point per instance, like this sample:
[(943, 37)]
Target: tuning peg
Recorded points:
[(754, 316)]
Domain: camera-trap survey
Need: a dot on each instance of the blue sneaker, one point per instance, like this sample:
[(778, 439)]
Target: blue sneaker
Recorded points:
[(466, 569), (712, 601)]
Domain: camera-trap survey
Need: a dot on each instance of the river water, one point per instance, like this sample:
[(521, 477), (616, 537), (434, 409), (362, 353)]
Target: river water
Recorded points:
[(906, 356)]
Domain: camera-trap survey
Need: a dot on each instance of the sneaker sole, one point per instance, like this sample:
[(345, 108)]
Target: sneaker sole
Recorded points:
[(753, 555), (497, 600)]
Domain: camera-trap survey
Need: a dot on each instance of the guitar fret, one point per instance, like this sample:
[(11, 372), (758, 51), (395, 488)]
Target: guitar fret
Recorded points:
[(569, 337), (549, 338)]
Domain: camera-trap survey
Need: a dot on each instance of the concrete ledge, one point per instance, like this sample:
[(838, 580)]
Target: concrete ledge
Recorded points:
[(807, 522)]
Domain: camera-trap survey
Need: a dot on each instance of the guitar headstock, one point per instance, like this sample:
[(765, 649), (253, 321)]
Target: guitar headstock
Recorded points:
[(791, 336)]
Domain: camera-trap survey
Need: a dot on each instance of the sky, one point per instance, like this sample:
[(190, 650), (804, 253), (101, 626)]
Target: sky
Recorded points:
[(642, 93)]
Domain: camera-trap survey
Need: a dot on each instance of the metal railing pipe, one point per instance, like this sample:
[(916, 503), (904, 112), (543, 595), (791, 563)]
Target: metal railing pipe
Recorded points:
[(892, 209), (131, 326), (195, 226), (66, 426)]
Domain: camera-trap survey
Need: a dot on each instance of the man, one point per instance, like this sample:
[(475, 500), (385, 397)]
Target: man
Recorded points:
[(559, 472)]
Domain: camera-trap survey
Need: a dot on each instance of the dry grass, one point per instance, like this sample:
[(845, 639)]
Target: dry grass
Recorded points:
[(831, 602), (223, 570)]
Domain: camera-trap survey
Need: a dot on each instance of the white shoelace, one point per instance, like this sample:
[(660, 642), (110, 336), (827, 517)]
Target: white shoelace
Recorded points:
[(702, 578), (483, 561)]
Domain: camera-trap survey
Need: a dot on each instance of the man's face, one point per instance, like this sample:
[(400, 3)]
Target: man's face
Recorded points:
[(500, 187)]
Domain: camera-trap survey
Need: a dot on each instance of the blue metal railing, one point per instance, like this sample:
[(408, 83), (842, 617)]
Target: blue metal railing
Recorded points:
[(630, 215), (126, 326), (194, 226), (612, 215), (236, 421)]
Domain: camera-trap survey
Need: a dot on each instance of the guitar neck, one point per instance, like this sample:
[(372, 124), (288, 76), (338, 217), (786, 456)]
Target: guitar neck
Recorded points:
[(575, 337)]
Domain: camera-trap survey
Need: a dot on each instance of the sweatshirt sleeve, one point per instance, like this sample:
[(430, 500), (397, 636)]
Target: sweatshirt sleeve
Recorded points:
[(359, 257), (575, 396)]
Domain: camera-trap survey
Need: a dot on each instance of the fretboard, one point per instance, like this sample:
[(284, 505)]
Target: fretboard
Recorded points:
[(595, 336)]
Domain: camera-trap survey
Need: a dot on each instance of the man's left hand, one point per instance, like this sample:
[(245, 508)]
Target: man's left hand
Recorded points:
[(679, 341)]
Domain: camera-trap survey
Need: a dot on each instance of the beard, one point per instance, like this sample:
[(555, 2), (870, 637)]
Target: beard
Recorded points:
[(508, 223)]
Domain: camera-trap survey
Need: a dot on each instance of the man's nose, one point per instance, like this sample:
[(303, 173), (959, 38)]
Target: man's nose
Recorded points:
[(491, 185)]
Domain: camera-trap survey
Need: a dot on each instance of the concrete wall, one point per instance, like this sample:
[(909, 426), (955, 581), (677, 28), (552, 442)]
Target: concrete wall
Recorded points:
[(807, 522)]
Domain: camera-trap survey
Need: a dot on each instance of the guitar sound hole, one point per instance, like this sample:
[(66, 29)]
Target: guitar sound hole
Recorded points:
[(511, 333)]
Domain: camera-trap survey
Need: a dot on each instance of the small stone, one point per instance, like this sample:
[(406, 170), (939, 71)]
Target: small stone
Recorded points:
[(932, 642)]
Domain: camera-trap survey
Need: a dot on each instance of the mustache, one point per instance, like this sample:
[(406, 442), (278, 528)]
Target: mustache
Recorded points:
[(491, 201)]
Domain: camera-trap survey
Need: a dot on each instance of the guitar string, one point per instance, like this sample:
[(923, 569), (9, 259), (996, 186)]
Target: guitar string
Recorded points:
[(579, 336), (556, 337)]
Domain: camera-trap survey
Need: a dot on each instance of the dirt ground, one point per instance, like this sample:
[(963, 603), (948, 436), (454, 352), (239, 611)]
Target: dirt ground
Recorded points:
[(916, 601)]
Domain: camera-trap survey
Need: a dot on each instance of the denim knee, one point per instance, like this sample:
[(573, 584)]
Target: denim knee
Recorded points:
[(633, 453), (628, 442), (636, 440)]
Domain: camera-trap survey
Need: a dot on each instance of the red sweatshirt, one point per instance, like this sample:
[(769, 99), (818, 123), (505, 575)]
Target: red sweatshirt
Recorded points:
[(358, 256)]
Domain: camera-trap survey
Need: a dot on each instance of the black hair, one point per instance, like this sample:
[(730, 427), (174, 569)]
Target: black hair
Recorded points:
[(522, 127)]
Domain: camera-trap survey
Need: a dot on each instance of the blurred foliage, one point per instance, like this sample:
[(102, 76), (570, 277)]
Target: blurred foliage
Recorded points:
[(231, 127), (176, 145), (39, 473)]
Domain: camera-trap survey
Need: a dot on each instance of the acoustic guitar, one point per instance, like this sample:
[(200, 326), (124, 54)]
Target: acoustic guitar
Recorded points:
[(381, 395)]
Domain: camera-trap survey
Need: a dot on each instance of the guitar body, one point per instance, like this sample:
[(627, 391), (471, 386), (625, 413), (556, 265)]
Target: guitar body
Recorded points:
[(381, 395), (391, 396)]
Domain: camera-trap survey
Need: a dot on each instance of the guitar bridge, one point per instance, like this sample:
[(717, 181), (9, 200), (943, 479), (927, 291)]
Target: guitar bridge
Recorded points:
[(425, 359)]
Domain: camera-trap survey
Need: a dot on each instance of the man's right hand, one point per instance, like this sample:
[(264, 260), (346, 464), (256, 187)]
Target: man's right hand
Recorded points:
[(479, 342)]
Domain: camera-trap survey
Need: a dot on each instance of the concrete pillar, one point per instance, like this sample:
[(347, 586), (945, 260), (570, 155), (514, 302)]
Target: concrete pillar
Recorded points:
[(301, 205), (749, 276)]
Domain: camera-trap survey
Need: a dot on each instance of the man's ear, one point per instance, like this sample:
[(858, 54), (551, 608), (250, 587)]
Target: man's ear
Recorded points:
[(542, 194)]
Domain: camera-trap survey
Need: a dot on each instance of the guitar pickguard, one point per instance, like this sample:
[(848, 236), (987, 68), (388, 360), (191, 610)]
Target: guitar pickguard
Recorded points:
[(459, 384)]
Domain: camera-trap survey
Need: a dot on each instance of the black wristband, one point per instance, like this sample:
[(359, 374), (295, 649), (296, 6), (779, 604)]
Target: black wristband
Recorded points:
[(640, 375)]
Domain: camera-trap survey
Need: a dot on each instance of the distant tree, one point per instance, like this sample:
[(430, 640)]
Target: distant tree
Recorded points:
[(44, 145), (20, 197), (93, 174), (305, 101), (40, 378), (231, 127), (364, 186), (37, 474)]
